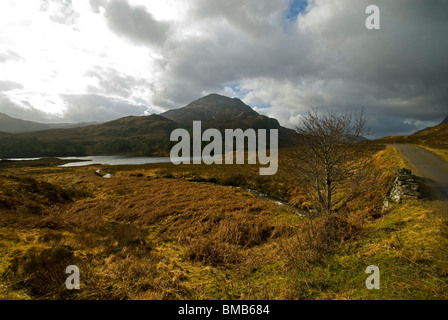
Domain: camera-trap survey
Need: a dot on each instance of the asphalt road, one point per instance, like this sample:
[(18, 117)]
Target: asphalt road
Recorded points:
[(426, 165)]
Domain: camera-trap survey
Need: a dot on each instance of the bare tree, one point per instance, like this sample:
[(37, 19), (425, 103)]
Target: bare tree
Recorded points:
[(333, 168)]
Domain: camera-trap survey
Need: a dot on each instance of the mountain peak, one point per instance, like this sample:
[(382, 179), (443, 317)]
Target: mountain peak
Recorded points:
[(216, 101), (213, 107), (445, 120), (214, 97)]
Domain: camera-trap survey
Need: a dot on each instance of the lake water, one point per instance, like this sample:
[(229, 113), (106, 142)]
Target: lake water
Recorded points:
[(117, 160)]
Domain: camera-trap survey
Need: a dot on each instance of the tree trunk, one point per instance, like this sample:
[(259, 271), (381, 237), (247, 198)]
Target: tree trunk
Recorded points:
[(328, 195)]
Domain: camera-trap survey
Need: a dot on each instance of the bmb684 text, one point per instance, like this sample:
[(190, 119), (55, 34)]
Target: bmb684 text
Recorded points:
[(245, 309)]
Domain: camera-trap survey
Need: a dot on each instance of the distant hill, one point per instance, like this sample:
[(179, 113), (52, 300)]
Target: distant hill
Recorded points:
[(12, 125), (445, 120), (435, 137), (139, 136), (153, 126), (362, 139)]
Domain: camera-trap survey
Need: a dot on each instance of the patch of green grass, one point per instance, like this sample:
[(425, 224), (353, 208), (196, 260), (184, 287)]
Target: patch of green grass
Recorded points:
[(407, 244)]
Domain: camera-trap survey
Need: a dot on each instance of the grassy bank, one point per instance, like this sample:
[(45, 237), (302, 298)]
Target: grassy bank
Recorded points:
[(407, 242)]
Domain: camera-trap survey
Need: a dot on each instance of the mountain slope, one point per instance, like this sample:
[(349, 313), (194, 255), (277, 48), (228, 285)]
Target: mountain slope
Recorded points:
[(153, 126), (435, 137), (443, 121), (140, 136), (14, 125)]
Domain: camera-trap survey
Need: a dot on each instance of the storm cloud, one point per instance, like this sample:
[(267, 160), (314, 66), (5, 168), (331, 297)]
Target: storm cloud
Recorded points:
[(281, 57), (135, 23)]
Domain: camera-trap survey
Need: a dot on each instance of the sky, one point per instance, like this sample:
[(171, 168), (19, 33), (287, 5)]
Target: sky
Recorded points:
[(99, 60)]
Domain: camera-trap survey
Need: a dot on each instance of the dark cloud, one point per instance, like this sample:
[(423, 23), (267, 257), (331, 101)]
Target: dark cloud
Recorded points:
[(328, 60), (224, 54), (134, 23), (255, 18)]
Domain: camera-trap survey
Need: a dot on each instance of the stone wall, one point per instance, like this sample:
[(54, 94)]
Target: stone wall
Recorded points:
[(405, 186)]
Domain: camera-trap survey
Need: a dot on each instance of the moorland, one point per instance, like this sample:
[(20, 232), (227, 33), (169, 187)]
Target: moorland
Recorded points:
[(161, 231)]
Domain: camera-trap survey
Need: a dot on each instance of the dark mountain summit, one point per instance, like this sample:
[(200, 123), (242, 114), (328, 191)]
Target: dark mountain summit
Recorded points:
[(211, 107), (216, 111), (221, 112)]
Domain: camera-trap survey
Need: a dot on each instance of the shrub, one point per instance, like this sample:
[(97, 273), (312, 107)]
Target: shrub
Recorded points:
[(42, 274), (317, 238), (211, 251)]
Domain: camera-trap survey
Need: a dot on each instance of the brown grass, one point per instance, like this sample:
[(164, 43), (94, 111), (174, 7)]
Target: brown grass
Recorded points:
[(120, 230), (166, 232)]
